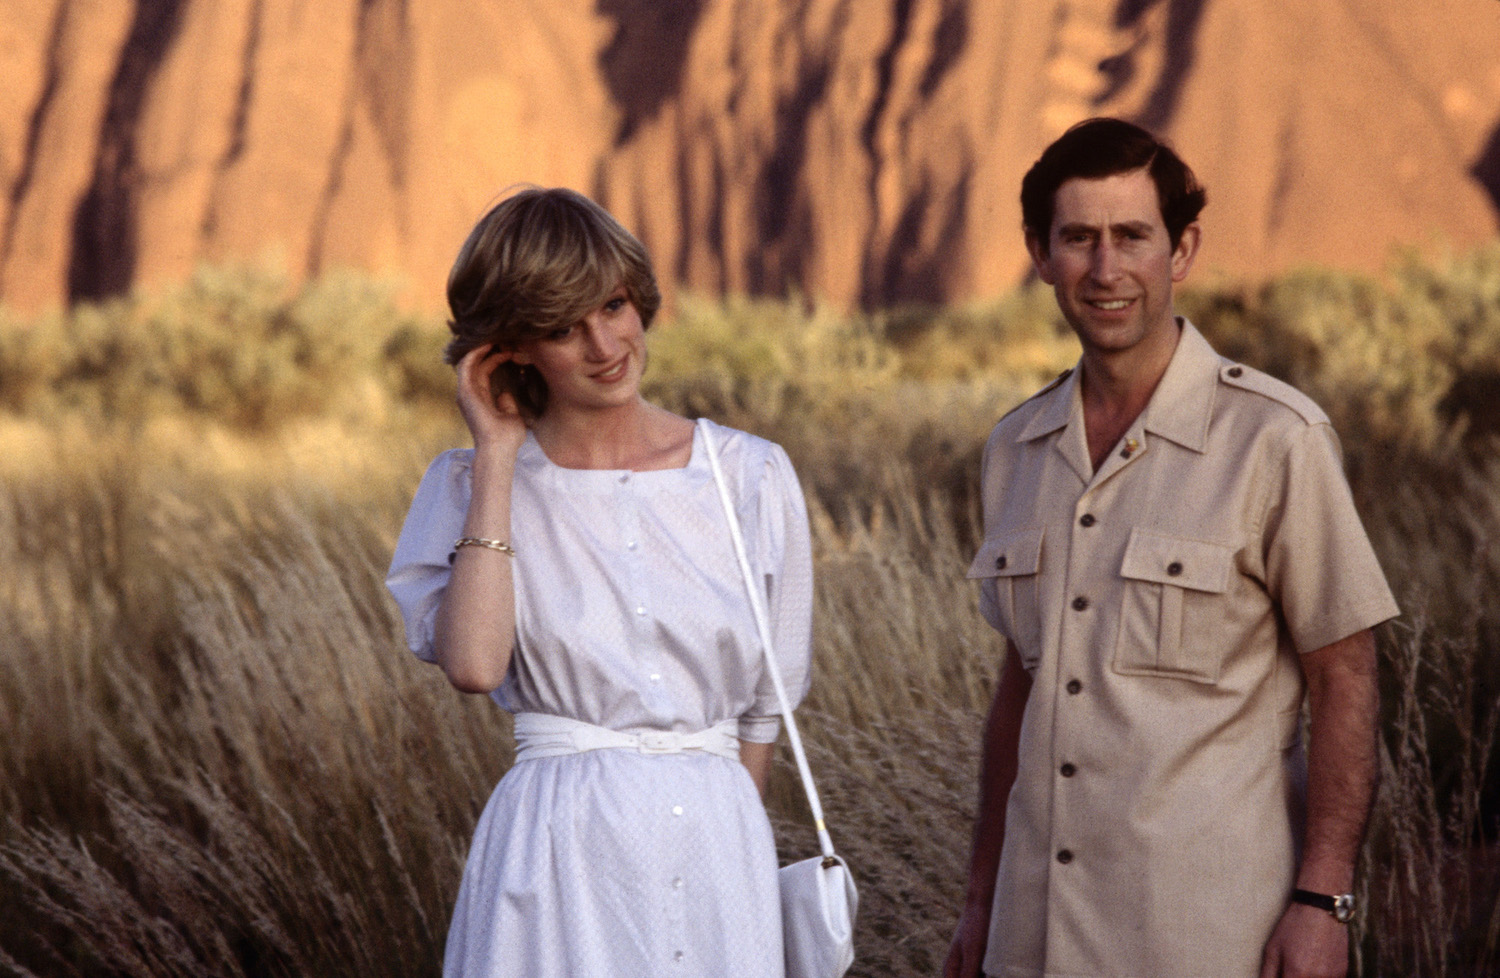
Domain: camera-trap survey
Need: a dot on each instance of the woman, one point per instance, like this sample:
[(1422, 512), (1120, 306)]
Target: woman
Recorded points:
[(577, 566)]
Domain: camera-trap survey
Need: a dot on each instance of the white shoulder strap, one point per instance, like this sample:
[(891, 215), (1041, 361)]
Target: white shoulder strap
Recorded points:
[(762, 624)]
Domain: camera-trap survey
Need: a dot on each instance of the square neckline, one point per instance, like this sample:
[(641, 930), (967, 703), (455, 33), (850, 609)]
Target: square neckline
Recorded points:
[(695, 457)]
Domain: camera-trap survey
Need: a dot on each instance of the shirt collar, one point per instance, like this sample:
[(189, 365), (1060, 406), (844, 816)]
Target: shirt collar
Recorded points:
[(1180, 408)]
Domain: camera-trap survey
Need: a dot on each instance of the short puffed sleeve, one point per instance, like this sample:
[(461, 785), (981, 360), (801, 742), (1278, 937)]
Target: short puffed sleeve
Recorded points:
[(420, 567), (784, 557)]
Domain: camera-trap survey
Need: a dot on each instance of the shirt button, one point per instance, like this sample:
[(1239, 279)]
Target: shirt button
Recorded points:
[(676, 809), (1065, 856), (624, 478), (1080, 604), (1074, 687), (1087, 519), (1174, 568), (1067, 770), (1000, 562)]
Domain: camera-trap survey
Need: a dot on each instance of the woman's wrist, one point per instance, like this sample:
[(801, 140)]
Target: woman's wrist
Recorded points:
[(496, 456)]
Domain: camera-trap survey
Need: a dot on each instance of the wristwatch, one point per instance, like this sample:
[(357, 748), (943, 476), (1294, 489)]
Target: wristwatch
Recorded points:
[(1341, 906)]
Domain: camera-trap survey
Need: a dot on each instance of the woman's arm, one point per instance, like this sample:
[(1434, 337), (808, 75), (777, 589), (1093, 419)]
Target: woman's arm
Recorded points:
[(757, 760), (474, 635)]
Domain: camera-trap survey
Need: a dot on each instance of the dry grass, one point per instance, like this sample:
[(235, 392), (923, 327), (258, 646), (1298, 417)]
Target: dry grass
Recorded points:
[(219, 760)]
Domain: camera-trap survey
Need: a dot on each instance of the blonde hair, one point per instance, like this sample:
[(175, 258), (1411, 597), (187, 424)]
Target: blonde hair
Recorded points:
[(540, 260)]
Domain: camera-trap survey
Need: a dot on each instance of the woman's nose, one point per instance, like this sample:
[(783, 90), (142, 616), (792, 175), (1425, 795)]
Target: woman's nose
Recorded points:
[(602, 342)]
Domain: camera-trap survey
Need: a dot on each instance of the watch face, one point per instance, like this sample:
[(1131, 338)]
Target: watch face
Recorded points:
[(1343, 907)]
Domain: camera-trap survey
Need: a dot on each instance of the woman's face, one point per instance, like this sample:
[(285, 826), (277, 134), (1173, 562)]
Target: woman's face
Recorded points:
[(596, 363)]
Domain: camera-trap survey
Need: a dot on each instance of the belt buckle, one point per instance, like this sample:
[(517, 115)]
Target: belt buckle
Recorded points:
[(658, 742)]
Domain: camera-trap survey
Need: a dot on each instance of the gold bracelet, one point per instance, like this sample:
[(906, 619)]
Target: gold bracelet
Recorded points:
[(499, 545)]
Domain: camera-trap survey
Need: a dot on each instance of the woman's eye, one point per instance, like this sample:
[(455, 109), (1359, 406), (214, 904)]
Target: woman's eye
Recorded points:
[(615, 304), (561, 333)]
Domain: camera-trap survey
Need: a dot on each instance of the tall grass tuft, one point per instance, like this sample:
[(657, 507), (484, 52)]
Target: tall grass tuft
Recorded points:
[(219, 759)]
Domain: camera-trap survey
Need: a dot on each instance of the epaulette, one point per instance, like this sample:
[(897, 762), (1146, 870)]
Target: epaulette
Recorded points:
[(1250, 379), (1052, 385)]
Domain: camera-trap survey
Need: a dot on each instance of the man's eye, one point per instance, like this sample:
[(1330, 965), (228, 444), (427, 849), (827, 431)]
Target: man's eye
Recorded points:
[(560, 333)]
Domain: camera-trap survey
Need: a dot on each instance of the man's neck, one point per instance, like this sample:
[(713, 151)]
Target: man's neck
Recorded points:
[(1116, 387)]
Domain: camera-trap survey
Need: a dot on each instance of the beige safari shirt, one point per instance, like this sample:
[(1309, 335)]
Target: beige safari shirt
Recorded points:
[(1160, 605)]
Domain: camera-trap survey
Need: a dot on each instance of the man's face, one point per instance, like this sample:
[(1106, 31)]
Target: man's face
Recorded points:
[(1111, 262)]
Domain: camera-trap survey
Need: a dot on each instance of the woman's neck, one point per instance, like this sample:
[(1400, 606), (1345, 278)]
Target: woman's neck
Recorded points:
[(638, 436)]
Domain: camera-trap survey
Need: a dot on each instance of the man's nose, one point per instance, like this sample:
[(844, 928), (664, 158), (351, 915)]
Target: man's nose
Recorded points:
[(1105, 266)]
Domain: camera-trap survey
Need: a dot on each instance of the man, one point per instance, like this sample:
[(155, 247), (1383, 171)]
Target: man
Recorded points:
[(1172, 555)]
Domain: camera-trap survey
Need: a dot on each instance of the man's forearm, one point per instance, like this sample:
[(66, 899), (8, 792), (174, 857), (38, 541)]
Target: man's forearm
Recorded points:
[(997, 774), (1343, 769)]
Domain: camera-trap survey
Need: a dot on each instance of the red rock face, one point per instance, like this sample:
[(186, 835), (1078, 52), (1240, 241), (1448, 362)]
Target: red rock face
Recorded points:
[(866, 151)]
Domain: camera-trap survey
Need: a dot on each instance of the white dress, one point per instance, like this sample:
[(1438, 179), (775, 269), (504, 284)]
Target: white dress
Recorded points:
[(630, 614)]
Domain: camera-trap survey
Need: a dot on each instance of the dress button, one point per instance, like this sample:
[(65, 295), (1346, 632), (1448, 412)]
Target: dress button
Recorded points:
[(1087, 519), (640, 610), (1080, 604), (1067, 770), (624, 478), (1074, 687), (1236, 371), (676, 809), (1000, 562), (1174, 568), (655, 677), (678, 956), (631, 545), (1065, 856), (677, 883)]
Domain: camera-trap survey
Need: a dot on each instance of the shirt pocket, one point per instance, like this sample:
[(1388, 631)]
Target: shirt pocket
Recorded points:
[(1173, 606), (1007, 566)]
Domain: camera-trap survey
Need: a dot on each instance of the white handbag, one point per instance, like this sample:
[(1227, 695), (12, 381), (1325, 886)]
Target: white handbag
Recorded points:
[(818, 897)]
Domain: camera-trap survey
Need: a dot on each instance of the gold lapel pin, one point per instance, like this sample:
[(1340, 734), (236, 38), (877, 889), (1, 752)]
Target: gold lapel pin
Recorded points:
[(1130, 446)]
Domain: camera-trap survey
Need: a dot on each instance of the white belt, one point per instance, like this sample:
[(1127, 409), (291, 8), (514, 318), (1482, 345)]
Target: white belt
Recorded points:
[(544, 735)]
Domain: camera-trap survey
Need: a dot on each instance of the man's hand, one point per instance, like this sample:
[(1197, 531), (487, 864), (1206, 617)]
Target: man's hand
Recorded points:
[(1307, 943), (966, 955)]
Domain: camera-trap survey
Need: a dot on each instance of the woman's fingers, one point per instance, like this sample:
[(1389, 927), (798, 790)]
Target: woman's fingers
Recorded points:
[(490, 417), (474, 372)]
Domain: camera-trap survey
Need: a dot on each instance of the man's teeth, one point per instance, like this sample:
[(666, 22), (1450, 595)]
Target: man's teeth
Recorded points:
[(1113, 304)]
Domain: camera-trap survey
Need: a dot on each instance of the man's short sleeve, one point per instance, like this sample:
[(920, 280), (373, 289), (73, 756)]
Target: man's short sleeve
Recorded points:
[(1320, 567)]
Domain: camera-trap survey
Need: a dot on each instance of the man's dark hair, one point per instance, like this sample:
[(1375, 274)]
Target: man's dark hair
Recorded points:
[(1098, 148)]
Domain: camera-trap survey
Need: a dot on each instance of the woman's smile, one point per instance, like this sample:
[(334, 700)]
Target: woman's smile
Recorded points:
[(614, 373)]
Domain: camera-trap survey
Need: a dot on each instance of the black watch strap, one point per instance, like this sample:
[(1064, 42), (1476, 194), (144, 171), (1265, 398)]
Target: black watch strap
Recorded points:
[(1341, 906)]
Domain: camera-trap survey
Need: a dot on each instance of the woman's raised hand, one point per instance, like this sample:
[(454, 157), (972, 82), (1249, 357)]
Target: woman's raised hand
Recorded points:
[(493, 421)]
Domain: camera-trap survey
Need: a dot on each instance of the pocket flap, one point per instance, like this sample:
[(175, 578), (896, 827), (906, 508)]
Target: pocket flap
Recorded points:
[(1015, 554), (1163, 559)]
